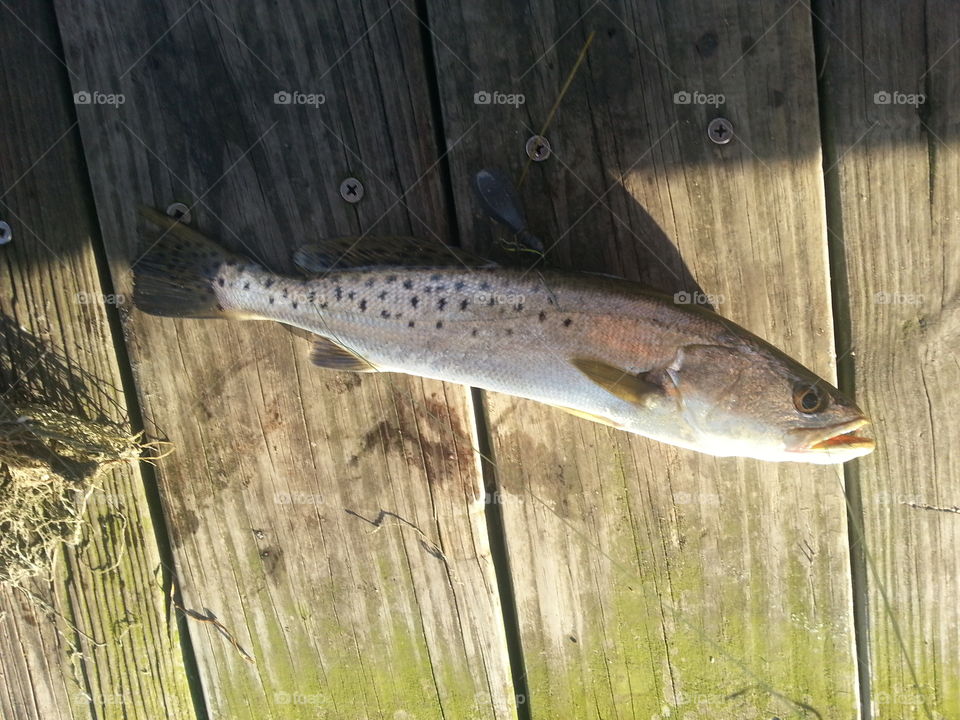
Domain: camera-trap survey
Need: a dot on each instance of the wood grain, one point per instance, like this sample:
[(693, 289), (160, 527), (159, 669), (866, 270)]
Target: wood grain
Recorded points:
[(894, 184), (650, 581), (333, 524), (98, 640)]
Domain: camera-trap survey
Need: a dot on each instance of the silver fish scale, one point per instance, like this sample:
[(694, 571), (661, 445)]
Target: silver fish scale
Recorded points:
[(502, 330)]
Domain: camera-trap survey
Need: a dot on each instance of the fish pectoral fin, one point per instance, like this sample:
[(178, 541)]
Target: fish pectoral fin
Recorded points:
[(587, 416), (333, 356), (357, 253), (637, 390)]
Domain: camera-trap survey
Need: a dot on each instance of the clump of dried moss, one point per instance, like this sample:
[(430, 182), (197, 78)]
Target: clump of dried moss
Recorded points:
[(50, 463)]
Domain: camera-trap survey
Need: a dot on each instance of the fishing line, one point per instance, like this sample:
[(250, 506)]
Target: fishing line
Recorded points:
[(625, 571), (860, 536), (563, 91)]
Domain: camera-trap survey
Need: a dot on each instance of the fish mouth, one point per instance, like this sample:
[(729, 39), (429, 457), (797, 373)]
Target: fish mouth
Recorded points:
[(835, 439)]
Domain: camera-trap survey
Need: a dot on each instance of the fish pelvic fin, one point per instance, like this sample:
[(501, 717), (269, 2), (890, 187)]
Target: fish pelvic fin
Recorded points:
[(587, 416), (176, 271), (637, 390), (333, 356)]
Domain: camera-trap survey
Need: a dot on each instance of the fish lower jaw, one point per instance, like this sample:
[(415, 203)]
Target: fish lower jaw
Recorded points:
[(834, 445)]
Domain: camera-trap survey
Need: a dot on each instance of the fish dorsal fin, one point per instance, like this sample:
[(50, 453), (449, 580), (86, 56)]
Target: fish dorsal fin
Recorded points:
[(328, 354), (637, 390), (357, 253)]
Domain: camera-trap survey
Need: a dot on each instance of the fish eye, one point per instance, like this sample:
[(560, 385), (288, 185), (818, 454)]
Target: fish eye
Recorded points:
[(808, 399)]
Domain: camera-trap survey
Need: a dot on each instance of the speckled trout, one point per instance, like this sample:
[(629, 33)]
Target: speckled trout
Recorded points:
[(599, 347)]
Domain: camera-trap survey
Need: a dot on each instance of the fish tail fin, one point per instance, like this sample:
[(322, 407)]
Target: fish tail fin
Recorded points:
[(177, 271)]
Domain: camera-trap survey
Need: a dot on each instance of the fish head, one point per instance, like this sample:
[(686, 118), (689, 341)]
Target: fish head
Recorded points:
[(751, 400)]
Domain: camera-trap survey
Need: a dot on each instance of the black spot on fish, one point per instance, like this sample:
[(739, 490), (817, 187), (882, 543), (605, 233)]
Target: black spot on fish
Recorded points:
[(370, 282), (484, 285), (295, 304), (566, 323), (542, 316), (441, 304), (285, 292), (441, 288), (459, 285), (391, 278), (323, 306), (492, 301), (408, 284), (411, 324), (338, 292), (414, 301), (363, 306), (384, 314), (268, 282), (220, 281), (435, 278), (246, 286), (219, 307), (312, 295), (464, 303), (383, 295), (509, 331), (271, 299), (428, 288), (351, 295), (473, 333), (439, 324), (518, 307)]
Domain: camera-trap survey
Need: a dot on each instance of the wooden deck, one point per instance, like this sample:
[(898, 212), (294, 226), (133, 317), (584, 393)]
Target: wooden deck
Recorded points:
[(389, 547)]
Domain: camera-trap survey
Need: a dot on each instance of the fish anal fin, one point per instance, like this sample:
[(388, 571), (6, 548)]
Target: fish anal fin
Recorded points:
[(637, 389), (331, 355), (353, 253)]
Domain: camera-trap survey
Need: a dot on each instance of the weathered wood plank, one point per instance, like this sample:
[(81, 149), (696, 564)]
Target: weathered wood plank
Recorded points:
[(334, 524), (652, 581), (112, 649), (894, 180)]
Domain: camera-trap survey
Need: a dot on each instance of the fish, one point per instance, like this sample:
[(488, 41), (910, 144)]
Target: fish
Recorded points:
[(596, 346)]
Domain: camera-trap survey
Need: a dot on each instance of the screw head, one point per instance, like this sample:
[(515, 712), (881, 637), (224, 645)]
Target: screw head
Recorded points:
[(351, 190), (720, 130), (179, 211), (538, 148), (6, 234)]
